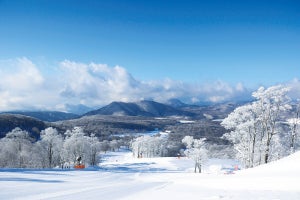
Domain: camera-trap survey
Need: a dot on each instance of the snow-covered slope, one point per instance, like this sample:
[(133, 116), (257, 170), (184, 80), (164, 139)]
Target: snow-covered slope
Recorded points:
[(121, 176), (284, 167)]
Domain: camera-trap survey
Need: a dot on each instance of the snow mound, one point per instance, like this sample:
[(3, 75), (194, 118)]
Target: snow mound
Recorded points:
[(289, 165)]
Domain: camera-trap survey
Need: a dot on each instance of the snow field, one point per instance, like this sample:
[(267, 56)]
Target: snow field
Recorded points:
[(120, 176)]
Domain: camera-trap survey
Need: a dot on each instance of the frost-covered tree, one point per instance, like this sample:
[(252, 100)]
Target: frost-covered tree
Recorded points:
[(253, 126), (270, 103), (19, 150), (137, 146), (114, 145), (243, 123), (93, 150), (195, 150), (51, 144), (16, 149), (38, 156), (294, 132), (104, 146), (147, 146), (76, 145), (294, 129)]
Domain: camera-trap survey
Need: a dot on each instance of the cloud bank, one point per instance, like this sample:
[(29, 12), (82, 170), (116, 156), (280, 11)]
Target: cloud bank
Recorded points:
[(25, 86)]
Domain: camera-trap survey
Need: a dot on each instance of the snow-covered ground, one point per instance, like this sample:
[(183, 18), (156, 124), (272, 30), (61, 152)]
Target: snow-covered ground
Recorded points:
[(121, 176)]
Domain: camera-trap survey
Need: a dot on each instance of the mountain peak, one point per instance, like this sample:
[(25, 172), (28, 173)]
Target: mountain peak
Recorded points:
[(176, 103), (146, 108)]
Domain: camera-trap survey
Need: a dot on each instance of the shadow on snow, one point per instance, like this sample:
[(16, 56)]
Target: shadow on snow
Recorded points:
[(132, 168), (30, 180)]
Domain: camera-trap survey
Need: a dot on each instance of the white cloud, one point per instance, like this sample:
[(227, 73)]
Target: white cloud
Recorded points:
[(20, 74), (295, 88), (240, 87), (24, 85), (19, 84), (98, 84)]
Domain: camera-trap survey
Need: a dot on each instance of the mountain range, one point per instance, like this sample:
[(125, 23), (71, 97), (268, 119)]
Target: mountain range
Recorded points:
[(47, 116), (145, 108), (122, 117)]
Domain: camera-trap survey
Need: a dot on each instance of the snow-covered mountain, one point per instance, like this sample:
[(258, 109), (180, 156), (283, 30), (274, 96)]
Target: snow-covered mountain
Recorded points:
[(176, 103), (79, 109), (142, 108)]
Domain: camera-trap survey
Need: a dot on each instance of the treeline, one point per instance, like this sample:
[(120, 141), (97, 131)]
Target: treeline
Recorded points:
[(19, 150)]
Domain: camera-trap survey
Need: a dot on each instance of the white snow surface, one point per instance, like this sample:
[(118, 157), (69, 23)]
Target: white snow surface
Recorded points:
[(120, 176)]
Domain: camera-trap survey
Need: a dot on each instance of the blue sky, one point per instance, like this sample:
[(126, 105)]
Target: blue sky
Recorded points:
[(196, 42)]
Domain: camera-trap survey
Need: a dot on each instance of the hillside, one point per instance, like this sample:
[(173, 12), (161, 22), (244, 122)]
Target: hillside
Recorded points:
[(49, 116), (11, 121), (142, 108), (106, 125)]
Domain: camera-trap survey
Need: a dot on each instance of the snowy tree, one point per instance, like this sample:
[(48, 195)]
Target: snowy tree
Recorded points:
[(188, 141), (279, 147), (38, 156), (76, 145), (114, 145), (136, 146), (294, 131), (93, 150), (294, 128), (253, 126), (270, 103), (51, 144), (195, 150), (243, 123), (16, 149), (104, 146), (148, 146)]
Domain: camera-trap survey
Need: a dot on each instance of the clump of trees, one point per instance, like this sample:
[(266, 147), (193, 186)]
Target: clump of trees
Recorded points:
[(258, 130), (155, 146), (147, 146), (19, 150), (15, 149)]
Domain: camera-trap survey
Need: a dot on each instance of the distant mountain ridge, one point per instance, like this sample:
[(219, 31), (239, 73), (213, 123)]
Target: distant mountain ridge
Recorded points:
[(176, 103), (79, 109), (49, 116), (121, 117), (144, 108), (10, 121)]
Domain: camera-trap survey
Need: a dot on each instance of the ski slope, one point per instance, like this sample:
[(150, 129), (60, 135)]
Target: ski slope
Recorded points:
[(120, 176)]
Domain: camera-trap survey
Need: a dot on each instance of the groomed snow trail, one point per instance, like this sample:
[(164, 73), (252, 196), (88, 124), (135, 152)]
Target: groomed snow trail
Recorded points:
[(121, 176)]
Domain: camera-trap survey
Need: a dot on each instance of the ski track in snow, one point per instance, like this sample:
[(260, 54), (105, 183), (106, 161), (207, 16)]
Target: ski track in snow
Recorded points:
[(121, 176)]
